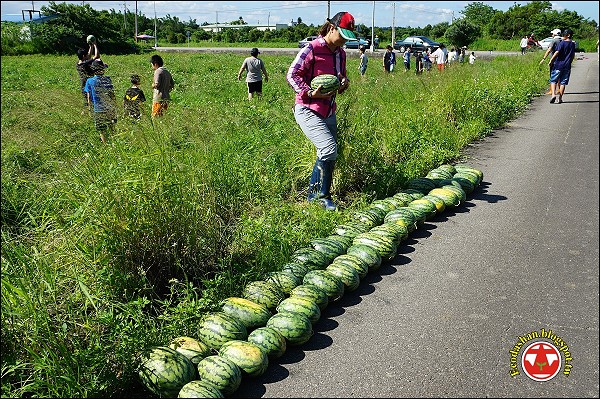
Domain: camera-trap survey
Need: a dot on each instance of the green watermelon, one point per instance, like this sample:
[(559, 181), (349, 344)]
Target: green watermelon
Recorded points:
[(250, 313), (402, 216), (386, 247), (415, 194), (217, 328), (425, 205), (315, 260), (305, 306), (385, 205), (460, 193), (200, 389), (298, 270), (264, 293), (344, 240), (313, 293), (250, 358), (403, 198), (190, 348), (270, 340), (222, 373), (331, 248), (462, 167), (395, 230), (346, 273), (285, 281), (448, 168), (351, 229), (367, 254), (369, 217), (439, 174), (324, 280), (466, 184), (328, 82), (164, 371), (421, 184), (437, 201), (296, 328), (361, 267), (396, 203), (449, 197), (469, 175)]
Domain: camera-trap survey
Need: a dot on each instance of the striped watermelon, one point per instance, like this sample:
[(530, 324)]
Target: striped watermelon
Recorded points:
[(315, 260), (190, 348), (328, 82), (200, 389), (439, 174), (330, 248), (469, 175), (394, 201), (385, 205), (425, 205), (344, 240), (460, 193), (369, 217), (351, 229), (448, 168), (386, 247), (221, 372), (402, 216), (439, 204), (346, 273), (420, 214), (467, 185), (249, 357), (403, 198), (398, 231), (264, 293), (298, 270), (250, 313), (270, 340), (313, 293), (164, 371), (449, 197), (367, 254), (217, 328), (296, 328), (304, 306), (285, 281), (421, 184), (324, 280), (415, 194), (462, 167), (361, 267)]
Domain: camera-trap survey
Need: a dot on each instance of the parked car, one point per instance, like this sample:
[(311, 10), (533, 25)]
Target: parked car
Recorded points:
[(306, 40), (545, 43), (357, 43), (416, 43)]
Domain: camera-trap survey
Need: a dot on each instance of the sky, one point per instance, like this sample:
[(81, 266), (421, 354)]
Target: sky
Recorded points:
[(384, 13)]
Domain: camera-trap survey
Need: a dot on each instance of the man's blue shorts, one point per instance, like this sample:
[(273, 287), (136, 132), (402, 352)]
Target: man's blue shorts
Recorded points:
[(560, 75)]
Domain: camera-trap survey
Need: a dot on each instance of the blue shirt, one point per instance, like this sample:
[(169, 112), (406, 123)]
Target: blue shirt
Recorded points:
[(566, 53), (102, 93)]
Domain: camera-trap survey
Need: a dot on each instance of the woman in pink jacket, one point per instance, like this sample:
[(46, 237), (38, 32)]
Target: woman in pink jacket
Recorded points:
[(314, 110)]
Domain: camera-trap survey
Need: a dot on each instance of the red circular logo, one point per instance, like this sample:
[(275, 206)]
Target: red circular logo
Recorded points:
[(541, 361)]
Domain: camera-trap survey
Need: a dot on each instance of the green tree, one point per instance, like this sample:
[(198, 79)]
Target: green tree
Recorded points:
[(438, 30), (462, 32), (478, 13)]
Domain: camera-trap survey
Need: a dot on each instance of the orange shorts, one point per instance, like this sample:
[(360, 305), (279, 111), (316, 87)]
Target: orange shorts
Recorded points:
[(158, 109), (440, 67)]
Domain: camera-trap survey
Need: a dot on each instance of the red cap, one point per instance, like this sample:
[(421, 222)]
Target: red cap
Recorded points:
[(344, 22)]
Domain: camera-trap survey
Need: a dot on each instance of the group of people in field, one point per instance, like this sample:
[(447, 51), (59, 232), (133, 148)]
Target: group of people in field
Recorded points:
[(99, 97), (425, 59)]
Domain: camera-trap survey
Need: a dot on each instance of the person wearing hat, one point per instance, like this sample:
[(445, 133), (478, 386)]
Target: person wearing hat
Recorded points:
[(101, 96), (255, 68), (315, 110), (551, 49), (561, 61)]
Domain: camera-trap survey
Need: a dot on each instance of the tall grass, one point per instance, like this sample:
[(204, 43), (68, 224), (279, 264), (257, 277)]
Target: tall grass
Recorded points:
[(108, 249)]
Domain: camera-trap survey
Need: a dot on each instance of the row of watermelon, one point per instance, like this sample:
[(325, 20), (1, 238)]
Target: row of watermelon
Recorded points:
[(281, 309)]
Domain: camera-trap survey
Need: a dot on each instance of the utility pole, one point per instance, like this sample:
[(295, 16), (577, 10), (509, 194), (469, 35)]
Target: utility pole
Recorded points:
[(136, 12), (328, 9), (393, 23), (268, 18), (217, 19), (124, 16), (155, 35), (373, 29), (452, 16)]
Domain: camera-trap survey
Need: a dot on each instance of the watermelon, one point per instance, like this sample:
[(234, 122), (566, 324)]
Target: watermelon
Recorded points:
[(351, 229), (315, 260), (313, 293), (346, 273), (250, 358), (217, 328), (386, 247), (394, 202), (220, 372), (462, 167), (415, 194), (403, 198), (402, 216), (439, 204), (304, 306), (298, 270), (270, 340), (469, 175), (422, 184), (330, 248), (200, 389), (296, 328), (361, 267), (439, 174), (369, 217), (324, 280), (467, 185), (190, 348), (385, 205), (285, 281), (425, 205), (394, 230), (460, 193), (367, 254), (250, 313), (449, 197), (164, 371), (264, 293), (328, 82), (448, 168), (344, 240), (91, 39)]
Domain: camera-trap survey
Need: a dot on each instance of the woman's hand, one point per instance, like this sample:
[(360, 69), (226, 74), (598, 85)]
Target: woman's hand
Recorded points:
[(344, 83), (318, 94)]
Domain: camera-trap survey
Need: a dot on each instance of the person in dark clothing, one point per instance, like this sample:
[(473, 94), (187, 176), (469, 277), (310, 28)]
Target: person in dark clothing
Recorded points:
[(134, 98), (561, 62), (84, 69)]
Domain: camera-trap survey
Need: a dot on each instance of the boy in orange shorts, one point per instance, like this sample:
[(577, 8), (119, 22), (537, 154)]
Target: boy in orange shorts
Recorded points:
[(162, 84)]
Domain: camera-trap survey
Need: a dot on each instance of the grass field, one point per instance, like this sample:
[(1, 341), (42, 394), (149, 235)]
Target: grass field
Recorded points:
[(109, 249)]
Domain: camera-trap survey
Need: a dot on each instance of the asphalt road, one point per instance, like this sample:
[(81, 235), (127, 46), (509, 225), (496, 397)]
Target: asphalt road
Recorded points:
[(521, 255)]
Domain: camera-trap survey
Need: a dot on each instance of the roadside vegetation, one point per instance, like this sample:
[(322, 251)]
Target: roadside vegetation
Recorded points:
[(109, 249)]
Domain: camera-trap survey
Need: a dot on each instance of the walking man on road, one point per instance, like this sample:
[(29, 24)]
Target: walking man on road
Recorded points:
[(561, 66)]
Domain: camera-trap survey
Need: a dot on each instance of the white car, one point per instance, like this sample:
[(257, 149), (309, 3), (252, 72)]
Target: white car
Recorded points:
[(545, 43)]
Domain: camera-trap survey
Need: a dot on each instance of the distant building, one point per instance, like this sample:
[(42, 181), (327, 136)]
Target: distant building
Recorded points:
[(262, 27)]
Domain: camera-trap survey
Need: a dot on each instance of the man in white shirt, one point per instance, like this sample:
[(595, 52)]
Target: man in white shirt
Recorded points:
[(440, 57), (523, 45)]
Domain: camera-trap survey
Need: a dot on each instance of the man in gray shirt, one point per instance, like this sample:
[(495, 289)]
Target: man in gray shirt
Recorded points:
[(255, 68)]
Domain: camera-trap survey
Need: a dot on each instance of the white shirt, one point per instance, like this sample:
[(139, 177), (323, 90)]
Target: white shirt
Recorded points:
[(472, 59), (523, 42), (440, 56)]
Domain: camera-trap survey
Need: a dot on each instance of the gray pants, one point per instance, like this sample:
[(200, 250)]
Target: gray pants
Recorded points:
[(322, 132)]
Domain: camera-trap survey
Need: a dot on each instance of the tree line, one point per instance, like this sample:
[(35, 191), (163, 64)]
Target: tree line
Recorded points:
[(69, 24)]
